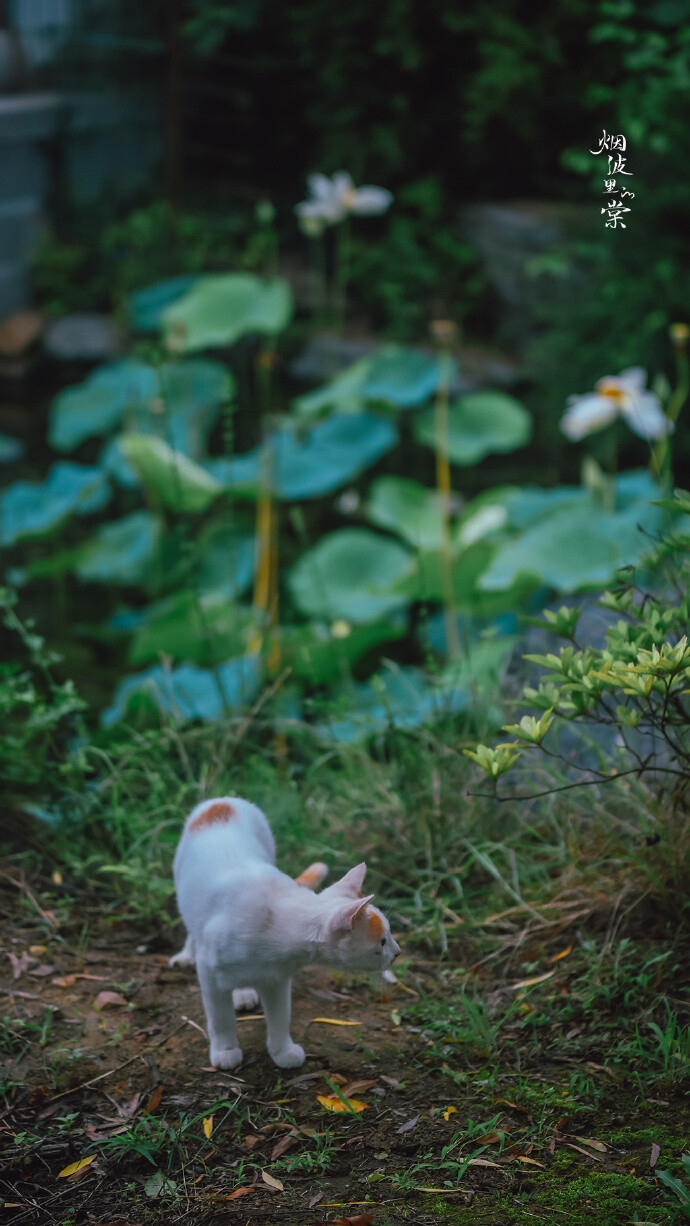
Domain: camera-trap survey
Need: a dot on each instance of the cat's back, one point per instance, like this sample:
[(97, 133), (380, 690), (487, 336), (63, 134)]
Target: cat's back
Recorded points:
[(222, 834)]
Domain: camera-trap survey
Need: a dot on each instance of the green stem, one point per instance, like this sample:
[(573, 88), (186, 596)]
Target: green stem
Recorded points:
[(341, 274), (444, 493), (660, 462)]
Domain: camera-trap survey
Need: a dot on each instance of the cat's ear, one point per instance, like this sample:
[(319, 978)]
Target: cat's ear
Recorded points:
[(342, 921), (351, 884)]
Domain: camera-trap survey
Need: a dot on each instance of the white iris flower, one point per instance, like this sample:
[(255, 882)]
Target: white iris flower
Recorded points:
[(331, 200), (625, 397)]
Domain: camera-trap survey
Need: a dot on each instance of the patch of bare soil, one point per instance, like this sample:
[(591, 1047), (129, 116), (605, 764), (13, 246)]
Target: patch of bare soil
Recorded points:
[(105, 1063)]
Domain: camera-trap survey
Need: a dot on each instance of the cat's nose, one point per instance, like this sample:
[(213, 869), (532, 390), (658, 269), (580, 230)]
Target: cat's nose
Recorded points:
[(396, 949)]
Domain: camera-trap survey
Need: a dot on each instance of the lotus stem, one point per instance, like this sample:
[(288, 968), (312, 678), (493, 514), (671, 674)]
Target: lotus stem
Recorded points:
[(443, 487)]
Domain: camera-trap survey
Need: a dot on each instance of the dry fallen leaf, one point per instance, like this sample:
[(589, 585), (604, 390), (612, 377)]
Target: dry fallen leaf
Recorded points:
[(351, 1087), (360, 1219), (239, 1192), (272, 1183), (208, 1126), (580, 1150), (507, 1103), (531, 1161), (37, 951), (483, 1162), (408, 1125), (528, 983), (333, 1021), (332, 1103), (284, 1143), (656, 1150), (488, 1138), (598, 1145), (76, 1166), (109, 1000), (154, 1101)]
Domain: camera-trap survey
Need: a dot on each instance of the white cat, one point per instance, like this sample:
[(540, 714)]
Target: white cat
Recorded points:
[(250, 927)]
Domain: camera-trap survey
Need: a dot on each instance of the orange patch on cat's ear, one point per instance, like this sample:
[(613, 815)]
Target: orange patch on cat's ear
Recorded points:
[(217, 811), (375, 925)]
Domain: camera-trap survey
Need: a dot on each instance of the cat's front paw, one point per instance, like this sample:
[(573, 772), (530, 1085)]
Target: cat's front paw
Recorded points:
[(226, 1057), (184, 958), (245, 998), (290, 1056)]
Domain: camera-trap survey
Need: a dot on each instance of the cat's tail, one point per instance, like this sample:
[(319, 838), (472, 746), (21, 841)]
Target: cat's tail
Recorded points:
[(312, 876)]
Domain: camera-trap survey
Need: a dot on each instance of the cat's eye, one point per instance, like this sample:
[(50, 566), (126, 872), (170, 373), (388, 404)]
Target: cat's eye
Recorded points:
[(383, 940)]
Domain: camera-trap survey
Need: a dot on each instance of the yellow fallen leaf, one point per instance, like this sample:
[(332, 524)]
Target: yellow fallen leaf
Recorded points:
[(76, 1166), (65, 981), (563, 954), (37, 951), (208, 1126), (333, 1021), (598, 1145), (56, 877), (272, 1183), (332, 1103), (448, 1112), (527, 983)]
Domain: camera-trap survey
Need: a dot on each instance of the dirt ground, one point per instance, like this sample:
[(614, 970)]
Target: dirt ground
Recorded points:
[(104, 1059)]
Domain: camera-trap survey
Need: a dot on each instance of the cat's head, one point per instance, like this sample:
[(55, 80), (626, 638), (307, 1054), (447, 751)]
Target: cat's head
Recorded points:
[(358, 936)]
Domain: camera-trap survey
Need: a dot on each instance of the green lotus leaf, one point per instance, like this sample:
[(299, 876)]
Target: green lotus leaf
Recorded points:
[(397, 697), (226, 559), (173, 479), (349, 574), (204, 628), (30, 508), (222, 307), (333, 452), (97, 405), (479, 424), (577, 546), (121, 552), (146, 306), (407, 508), (403, 377), (319, 655), (186, 693)]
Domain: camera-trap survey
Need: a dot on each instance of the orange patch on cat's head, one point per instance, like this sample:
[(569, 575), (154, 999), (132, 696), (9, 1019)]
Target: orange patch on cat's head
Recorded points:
[(375, 925), (217, 811)]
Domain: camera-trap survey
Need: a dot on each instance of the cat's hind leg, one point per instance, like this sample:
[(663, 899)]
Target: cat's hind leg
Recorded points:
[(220, 1017), (186, 956), (275, 998), (245, 998)]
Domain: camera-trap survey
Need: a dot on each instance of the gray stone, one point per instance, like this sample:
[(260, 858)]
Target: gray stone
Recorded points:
[(29, 117), (88, 337), (325, 356), (513, 239), (14, 287)]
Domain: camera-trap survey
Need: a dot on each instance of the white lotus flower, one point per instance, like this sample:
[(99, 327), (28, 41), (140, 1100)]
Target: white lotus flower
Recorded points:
[(332, 199), (624, 396)]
